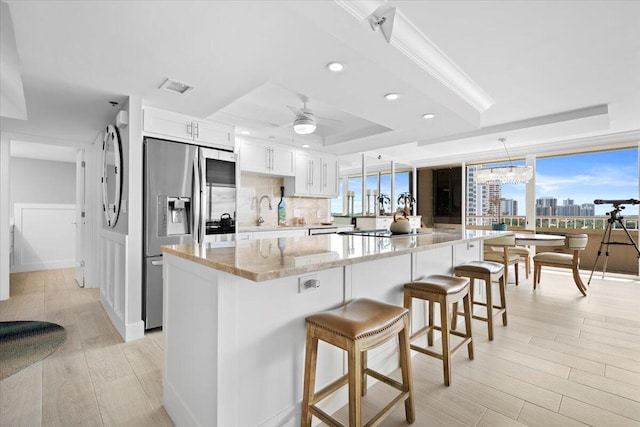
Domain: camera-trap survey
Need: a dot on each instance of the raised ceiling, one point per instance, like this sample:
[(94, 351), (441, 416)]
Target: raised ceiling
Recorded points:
[(249, 60)]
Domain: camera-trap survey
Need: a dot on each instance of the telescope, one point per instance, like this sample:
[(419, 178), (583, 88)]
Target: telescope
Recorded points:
[(616, 202)]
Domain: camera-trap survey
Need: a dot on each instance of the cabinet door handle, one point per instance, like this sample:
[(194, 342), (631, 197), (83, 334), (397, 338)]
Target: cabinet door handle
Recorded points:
[(325, 172), (190, 129), (197, 130)]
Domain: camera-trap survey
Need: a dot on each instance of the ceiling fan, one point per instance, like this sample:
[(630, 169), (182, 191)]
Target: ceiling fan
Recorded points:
[(305, 121)]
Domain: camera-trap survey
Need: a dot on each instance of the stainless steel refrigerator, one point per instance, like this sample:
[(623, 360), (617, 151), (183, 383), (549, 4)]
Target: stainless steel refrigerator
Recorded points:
[(190, 196)]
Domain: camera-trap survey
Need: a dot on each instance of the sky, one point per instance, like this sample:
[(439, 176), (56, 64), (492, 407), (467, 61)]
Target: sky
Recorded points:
[(609, 175)]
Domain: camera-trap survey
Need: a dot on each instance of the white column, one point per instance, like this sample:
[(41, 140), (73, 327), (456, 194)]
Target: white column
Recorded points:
[(364, 182), (133, 301), (345, 199), (4, 216), (463, 191), (393, 186), (530, 222), (414, 174)]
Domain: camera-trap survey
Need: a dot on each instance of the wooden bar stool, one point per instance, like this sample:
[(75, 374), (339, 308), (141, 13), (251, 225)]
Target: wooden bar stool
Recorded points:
[(443, 290), (487, 271), (357, 327)]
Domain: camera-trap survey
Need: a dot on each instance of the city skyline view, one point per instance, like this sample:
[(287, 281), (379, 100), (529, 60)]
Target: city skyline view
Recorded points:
[(607, 175)]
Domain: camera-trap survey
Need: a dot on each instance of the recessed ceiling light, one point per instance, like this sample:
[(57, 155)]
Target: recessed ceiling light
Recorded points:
[(428, 116), (176, 87), (391, 96), (245, 132), (305, 145), (336, 67)]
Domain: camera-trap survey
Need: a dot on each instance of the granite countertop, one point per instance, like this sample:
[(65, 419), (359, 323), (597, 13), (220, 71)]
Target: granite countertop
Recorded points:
[(250, 228), (267, 259)]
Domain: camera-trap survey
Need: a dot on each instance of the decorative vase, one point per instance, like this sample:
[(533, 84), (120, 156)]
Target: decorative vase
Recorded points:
[(499, 227)]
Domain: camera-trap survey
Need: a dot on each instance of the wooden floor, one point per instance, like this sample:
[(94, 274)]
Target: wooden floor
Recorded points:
[(563, 360), (95, 378)]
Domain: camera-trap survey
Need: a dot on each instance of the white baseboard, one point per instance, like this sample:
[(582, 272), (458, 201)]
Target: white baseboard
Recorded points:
[(115, 319), (176, 408), (134, 331), (51, 265)]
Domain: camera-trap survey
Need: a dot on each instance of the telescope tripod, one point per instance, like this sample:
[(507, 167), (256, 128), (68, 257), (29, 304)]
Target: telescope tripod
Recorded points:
[(614, 217)]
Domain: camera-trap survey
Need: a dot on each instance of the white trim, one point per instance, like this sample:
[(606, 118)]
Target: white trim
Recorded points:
[(415, 45), (19, 243), (567, 146)]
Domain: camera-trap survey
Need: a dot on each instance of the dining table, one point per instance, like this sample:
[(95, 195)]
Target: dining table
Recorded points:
[(535, 239)]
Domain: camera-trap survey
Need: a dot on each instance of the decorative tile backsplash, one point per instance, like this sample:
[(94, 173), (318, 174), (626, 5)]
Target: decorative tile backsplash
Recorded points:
[(313, 210)]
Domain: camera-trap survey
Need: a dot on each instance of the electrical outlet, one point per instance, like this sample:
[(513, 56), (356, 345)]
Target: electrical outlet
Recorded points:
[(308, 283)]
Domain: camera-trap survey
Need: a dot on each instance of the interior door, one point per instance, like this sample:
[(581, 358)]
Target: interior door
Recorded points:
[(80, 218)]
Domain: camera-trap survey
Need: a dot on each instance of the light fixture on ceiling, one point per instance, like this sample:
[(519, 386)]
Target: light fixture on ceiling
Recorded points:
[(504, 174), (334, 66), (391, 96), (382, 18), (305, 146), (176, 87), (245, 132), (304, 125), (428, 116)]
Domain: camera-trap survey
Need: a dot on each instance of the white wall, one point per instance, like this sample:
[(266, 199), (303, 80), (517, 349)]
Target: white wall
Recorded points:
[(119, 249), (42, 199), (4, 217), (42, 181)]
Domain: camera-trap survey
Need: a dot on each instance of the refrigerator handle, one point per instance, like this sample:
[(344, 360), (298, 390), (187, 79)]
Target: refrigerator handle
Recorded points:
[(195, 200), (201, 199)]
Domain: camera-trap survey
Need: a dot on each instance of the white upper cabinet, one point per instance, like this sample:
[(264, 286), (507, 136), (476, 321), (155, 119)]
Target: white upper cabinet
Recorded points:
[(330, 179), (166, 124), (316, 176), (268, 159)]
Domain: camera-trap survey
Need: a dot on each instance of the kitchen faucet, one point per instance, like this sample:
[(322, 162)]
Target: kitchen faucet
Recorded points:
[(260, 219)]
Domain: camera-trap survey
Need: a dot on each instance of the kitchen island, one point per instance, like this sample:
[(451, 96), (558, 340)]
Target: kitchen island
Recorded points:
[(234, 316)]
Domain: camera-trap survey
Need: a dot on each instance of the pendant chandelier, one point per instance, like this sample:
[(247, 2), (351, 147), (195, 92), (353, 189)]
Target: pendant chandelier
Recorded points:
[(504, 174)]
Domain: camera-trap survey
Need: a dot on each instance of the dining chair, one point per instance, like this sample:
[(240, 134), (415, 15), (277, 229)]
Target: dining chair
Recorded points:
[(524, 252), (499, 249), (573, 242)]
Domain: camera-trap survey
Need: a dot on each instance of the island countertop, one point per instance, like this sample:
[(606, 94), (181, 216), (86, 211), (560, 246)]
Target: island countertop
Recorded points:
[(267, 259)]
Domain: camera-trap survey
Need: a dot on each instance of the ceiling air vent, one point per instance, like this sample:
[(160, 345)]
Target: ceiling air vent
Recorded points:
[(177, 87)]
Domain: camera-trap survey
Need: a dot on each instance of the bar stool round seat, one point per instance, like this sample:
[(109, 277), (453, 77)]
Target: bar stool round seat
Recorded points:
[(488, 271), (357, 327), (443, 290)]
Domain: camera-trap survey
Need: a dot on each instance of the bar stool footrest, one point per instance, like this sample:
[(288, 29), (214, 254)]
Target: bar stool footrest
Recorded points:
[(385, 379), (326, 418), (342, 381), (330, 388), (388, 409)]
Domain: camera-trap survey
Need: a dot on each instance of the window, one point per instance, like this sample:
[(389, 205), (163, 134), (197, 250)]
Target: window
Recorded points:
[(509, 206), (566, 187), (380, 182)]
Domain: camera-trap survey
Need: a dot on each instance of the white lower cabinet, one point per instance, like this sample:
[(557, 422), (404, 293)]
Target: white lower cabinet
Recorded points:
[(243, 236)]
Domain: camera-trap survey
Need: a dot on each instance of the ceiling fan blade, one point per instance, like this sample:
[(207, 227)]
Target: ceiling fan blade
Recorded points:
[(328, 121), (295, 110), (303, 98)]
